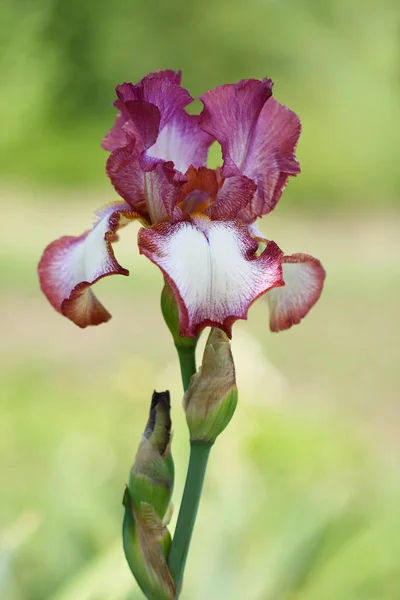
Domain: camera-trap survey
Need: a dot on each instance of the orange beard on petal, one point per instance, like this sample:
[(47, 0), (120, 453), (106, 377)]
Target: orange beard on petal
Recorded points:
[(200, 191)]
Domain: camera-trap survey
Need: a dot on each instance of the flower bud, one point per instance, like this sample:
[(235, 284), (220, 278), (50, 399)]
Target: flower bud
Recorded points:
[(211, 398), (147, 498), (152, 476)]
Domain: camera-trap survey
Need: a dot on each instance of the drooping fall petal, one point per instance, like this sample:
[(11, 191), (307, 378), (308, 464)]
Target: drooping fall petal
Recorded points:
[(258, 138), (304, 278), (70, 265), (212, 268)]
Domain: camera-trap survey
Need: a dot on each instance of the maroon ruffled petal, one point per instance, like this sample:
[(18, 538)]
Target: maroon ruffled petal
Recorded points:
[(258, 137), (149, 104), (233, 197), (151, 193)]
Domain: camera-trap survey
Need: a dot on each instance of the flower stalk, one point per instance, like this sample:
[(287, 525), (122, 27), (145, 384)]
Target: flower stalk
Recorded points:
[(210, 400), (199, 453)]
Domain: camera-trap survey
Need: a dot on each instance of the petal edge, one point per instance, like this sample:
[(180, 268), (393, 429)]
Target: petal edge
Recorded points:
[(212, 268), (71, 265), (304, 278)]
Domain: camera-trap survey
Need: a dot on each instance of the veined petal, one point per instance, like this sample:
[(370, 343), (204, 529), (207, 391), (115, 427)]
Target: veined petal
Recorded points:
[(258, 138), (230, 114), (127, 176), (212, 268), (162, 91), (116, 137), (149, 105), (151, 193), (233, 197), (183, 142), (70, 265), (271, 158), (304, 278)]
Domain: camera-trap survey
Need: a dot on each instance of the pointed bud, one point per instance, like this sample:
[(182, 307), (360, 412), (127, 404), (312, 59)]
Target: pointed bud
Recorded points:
[(211, 398), (146, 538), (152, 475), (170, 311)]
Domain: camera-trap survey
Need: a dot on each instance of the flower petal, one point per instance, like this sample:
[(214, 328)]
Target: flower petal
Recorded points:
[(304, 278), (258, 138), (212, 268), (233, 197), (149, 104), (70, 265), (167, 95), (152, 194), (116, 137), (230, 113), (183, 142)]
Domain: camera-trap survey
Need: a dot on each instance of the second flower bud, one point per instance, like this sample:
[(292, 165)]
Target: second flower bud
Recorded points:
[(211, 398)]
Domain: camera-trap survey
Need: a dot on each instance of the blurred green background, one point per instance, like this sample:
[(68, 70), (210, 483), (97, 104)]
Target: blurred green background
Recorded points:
[(303, 492)]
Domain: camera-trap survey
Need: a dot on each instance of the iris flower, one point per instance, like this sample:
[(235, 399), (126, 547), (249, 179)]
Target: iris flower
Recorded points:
[(199, 225)]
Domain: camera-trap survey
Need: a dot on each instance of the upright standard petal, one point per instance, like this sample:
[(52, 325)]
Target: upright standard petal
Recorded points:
[(258, 137), (304, 278), (213, 269), (183, 142), (230, 114), (149, 104), (233, 197), (151, 193), (70, 265)]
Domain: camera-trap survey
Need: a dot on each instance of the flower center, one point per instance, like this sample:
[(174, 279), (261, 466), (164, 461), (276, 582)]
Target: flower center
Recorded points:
[(200, 190)]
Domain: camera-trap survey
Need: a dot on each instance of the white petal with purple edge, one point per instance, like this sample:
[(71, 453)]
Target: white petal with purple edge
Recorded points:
[(304, 278), (212, 268), (70, 265)]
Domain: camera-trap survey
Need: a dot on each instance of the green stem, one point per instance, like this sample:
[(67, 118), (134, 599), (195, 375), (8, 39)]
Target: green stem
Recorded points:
[(187, 361), (199, 452)]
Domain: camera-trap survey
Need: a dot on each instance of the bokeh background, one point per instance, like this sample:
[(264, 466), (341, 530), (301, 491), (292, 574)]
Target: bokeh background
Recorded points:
[(303, 491)]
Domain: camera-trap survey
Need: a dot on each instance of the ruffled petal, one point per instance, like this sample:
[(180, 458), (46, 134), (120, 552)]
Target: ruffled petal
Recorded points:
[(233, 197), (149, 105), (230, 114), (258, 138), (183, 142), (152, 194), (212, 268), (304, 278), (70, 265), (157, 89), (153, 142), (116, 137)]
